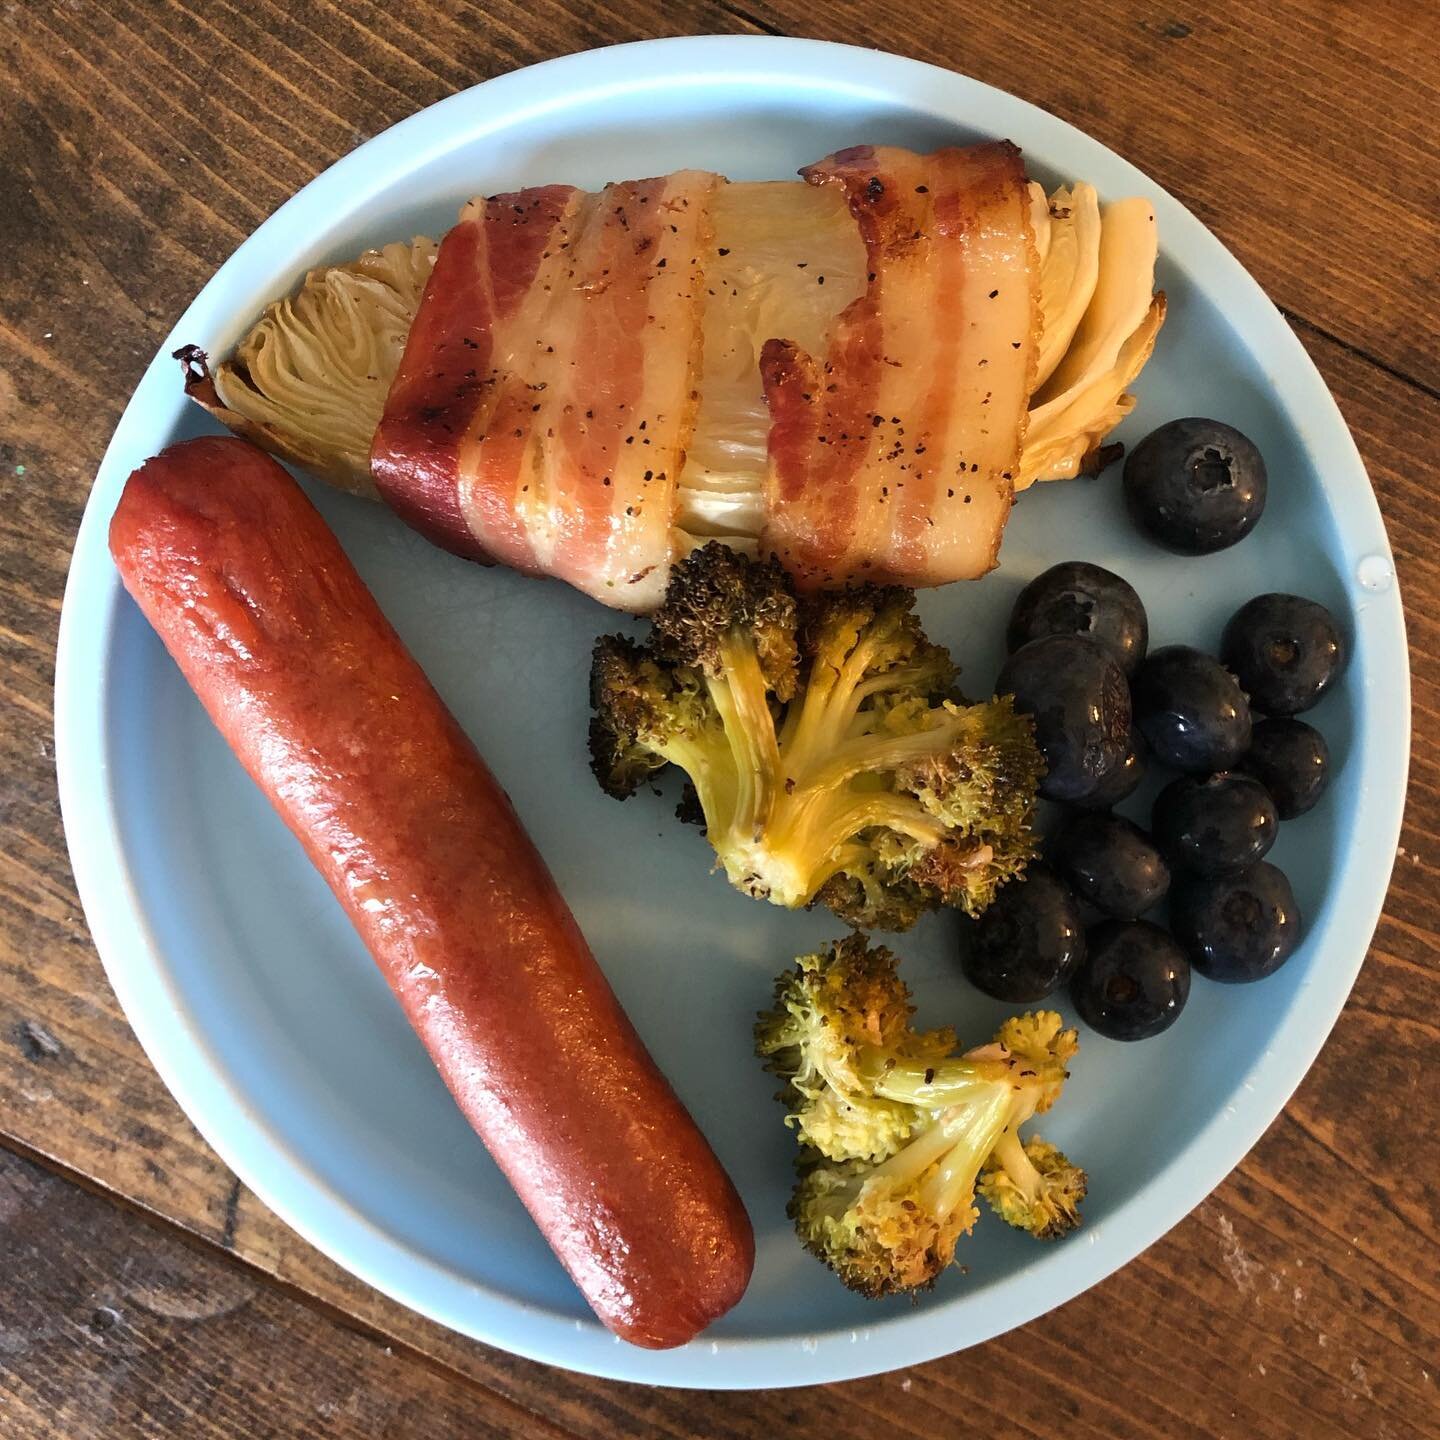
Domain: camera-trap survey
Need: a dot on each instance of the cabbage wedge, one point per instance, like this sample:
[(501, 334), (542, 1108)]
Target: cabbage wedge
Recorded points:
[(309, 380)]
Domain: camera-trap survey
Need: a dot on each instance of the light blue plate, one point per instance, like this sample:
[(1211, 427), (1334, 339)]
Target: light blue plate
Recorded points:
[(273, 1029)]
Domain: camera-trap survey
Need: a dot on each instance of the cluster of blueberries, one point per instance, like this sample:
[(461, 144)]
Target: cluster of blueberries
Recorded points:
[(1103, 707)]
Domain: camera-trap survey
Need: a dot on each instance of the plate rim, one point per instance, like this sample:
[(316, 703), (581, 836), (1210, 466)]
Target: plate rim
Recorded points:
[(322, 1215)]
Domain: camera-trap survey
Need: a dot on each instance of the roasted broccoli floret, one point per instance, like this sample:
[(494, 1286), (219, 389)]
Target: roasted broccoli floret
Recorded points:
[(837, 1015), (827, 749), (900, 1133), (1033, 1187)]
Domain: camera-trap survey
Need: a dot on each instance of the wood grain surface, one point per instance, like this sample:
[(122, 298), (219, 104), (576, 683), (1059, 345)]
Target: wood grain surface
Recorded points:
[(142, 1290)]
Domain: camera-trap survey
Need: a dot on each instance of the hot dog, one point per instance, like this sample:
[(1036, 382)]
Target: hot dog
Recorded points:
[(337, 724)]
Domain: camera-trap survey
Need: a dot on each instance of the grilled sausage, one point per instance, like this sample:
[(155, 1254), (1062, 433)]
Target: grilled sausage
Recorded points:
[(336, 722)]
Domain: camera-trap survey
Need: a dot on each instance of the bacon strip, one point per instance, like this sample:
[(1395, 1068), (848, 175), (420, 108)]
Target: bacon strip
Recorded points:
[(893, 456), (541, 411), (447, 381)]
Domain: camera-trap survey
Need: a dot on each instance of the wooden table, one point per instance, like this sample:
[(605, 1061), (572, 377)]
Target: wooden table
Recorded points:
[(143, 1290)]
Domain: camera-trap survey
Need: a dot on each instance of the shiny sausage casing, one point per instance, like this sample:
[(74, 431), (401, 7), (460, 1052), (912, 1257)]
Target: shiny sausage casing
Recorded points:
[(336, 722)]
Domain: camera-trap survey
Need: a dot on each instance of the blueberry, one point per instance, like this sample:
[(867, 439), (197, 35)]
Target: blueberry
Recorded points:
[(1292, 761), (1237, 927), (1195, 485), (1076, 598), (1214, 826), (1076, 692), (1121, 781), (1112, 864), (1027, 942), (1190, 710), (1134, 981), (1284, 650)]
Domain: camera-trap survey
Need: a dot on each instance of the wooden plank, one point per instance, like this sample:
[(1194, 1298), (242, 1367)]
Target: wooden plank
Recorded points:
[(114, 1327), (148, 138)]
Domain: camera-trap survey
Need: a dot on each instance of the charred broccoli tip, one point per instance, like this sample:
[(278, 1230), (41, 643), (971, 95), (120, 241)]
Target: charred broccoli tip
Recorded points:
[(718, 597)]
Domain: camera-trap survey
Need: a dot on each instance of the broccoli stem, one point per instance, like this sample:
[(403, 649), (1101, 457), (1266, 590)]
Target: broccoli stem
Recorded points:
[(813, 824), (805, 824), (882, 753), (830, 699), (931, 1085), (805, 842), (973, 1130), (945, 1160), (743, 702), (1009, 1154), (910, 1162), (809, 824), (903, 677), (712, 776)]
